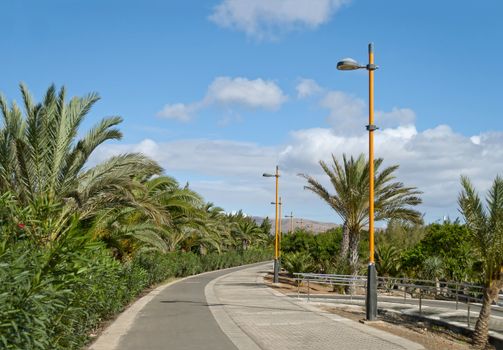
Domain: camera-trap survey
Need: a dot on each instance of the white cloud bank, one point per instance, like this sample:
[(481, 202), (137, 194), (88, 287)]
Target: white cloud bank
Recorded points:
[(266, 18), (230, 92), (431, 160)]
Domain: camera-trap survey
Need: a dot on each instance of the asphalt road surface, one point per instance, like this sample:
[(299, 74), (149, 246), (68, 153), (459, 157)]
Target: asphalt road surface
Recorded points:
[(178, 318)]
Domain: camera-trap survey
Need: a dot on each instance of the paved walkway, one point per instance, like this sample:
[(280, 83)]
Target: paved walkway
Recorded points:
[(233, 309), (447, 312), (274, 321)]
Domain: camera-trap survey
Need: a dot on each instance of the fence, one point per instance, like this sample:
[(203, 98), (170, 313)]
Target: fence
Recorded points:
[(416, 288)]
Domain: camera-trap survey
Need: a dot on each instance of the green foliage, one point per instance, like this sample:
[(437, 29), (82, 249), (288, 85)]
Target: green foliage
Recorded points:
[(350, 182), (387, 260), (78, 244), (322, 248), (399, 234), (298, 262), (448, 241), (51, 298)]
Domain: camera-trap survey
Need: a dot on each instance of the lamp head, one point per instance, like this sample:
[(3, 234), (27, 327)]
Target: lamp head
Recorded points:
[(267, 175), (348, 64)]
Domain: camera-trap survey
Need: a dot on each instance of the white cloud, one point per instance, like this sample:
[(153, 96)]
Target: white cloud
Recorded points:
[(229, 172), (432, 160), (205, 157), (397, 116), (307, 87), (178, 111), (266, 18), (230, 92), (239, 91), (347, 113)]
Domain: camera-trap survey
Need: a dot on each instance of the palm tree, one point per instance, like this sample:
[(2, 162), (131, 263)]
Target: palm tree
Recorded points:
[(433, 268), (350, 200), (486, 228), (387, 260), (248, 233), (42, 161)]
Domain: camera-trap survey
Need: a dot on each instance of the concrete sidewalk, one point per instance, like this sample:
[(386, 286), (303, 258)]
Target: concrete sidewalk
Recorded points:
[(441, 312), (255, 316)]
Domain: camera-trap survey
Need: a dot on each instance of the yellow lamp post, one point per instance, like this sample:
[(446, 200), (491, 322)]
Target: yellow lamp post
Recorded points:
[(350, 64), (276, 231)]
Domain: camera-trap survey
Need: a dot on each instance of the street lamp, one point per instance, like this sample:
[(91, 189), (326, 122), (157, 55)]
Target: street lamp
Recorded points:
[(276, 236), (351, 64)]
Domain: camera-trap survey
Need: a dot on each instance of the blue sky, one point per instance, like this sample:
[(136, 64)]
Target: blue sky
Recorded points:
[(210, 89)]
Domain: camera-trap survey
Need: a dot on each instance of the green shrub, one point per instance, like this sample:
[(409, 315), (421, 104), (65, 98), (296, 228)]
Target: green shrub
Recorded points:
[(298, 262), (52, 297)]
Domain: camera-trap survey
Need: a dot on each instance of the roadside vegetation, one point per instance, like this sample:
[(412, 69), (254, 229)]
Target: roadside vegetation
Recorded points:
[(78, 241), (469, 251)]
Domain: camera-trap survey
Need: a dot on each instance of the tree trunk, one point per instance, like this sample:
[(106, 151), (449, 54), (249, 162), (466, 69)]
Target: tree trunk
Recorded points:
[(345, 243), (481, 332), (354, 239)]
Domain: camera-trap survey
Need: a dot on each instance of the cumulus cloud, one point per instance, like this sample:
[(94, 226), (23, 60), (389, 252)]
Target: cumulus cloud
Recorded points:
[(349, 114), (267, 18), (256, 93), (203, 156), (397, 116), (229, 172), (230, 92), (178, 111), (432, 160), (307, 87)]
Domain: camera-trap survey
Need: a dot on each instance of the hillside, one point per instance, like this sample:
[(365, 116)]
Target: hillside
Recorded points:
[(310, 225)]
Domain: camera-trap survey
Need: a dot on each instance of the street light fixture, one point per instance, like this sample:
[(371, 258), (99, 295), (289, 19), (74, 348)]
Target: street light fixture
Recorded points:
[(276, 231), (351, 64)]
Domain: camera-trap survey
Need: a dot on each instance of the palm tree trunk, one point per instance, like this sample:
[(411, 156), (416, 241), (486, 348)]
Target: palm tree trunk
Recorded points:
[(480, 334), (354, 239), (345, 242)]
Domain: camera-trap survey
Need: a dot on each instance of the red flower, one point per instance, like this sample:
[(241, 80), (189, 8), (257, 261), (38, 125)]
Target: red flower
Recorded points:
[(21, 226)]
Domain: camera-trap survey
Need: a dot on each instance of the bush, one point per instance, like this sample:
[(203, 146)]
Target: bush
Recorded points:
[(298, 262), (52, 297)]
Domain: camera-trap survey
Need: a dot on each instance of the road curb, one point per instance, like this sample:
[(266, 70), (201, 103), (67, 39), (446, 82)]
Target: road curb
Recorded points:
[(225, 322)]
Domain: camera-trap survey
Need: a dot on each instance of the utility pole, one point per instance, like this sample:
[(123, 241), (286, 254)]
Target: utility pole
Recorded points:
[(291, 220)]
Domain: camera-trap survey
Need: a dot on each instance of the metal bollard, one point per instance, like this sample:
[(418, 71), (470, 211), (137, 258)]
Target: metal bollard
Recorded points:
[(457, 295), (420, 302), (308, 291), (468, 316)]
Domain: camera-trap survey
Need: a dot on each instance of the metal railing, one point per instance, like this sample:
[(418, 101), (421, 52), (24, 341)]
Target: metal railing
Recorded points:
[(417, 289)]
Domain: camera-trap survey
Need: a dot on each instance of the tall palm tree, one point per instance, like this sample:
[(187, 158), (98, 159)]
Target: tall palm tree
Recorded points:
[(350, 199), (42, 161), (485, 225)]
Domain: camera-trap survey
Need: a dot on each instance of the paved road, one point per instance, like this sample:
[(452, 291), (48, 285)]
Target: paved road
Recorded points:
[(234, 309), (275, 322), (178, 318)]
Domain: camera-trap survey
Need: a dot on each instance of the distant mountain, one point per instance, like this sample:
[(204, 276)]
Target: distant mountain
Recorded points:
[(309, 225)]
